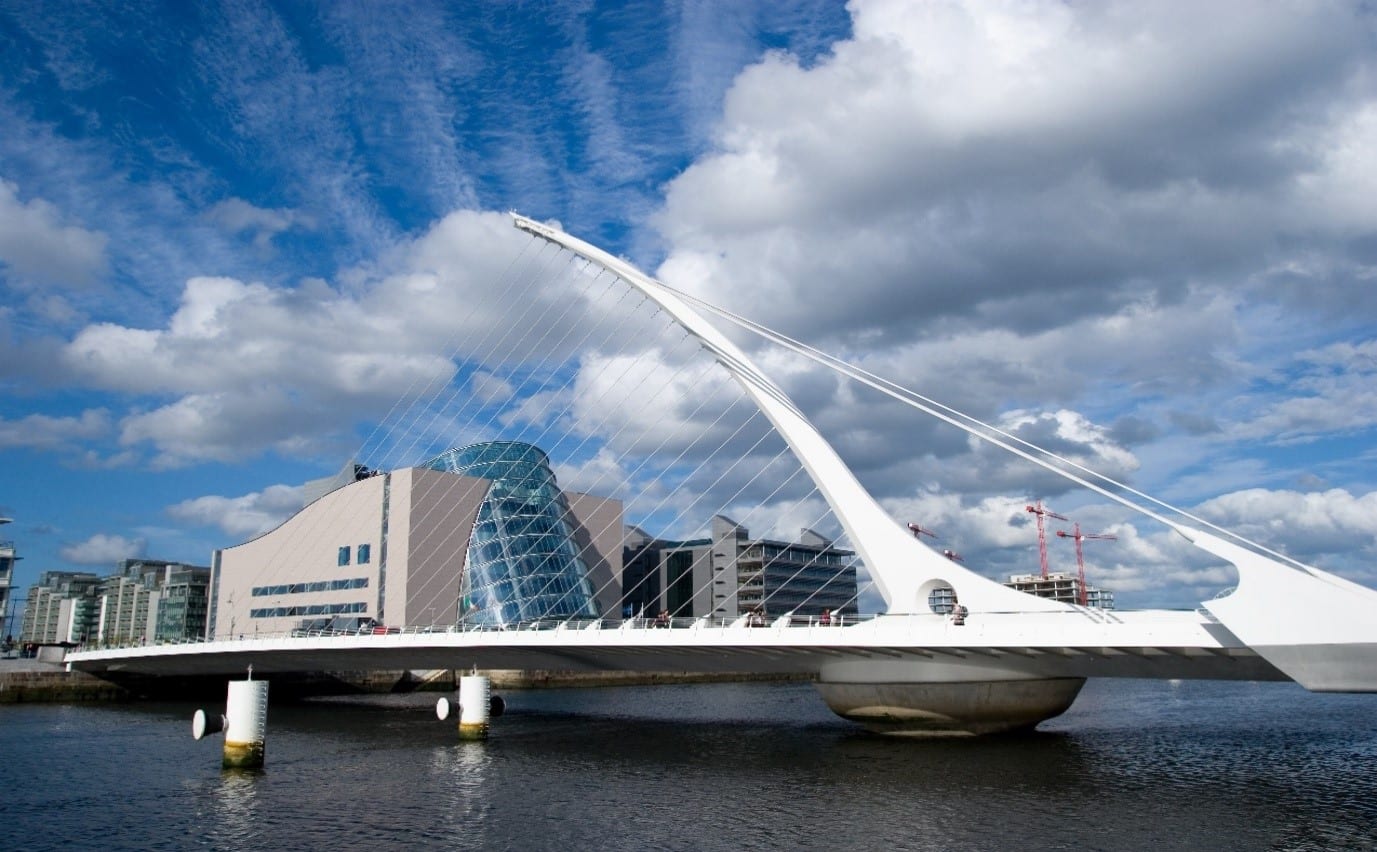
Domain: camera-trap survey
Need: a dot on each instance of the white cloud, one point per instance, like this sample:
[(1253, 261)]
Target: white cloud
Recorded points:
[(251, 366), (237, 216), (1331, 390), (38, 246), (603, 474), (1108, 228), (1304, 524), (102, 549), (490, 388), (40, 431), (1114, 227), (971, 166), (244, 516), (1071, 436)]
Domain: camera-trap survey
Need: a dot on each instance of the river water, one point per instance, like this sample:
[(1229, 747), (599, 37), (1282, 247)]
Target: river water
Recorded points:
[(1133, 765)]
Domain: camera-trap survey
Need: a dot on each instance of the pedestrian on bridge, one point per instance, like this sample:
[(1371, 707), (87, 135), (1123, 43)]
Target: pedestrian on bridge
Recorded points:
[(958, 613)]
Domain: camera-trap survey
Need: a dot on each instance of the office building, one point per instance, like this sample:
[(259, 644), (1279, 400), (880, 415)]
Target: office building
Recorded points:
[(132, 601), (63, 607), (184, 604), (731, 574)]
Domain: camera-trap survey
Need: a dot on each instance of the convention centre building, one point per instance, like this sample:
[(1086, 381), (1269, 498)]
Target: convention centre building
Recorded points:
[(480, 535)]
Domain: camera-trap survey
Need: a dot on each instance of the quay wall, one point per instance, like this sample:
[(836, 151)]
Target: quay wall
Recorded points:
[(22, 687)]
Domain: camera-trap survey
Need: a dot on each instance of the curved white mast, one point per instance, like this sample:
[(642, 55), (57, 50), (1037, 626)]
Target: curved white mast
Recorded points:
[(1314, 626), (904, 569)]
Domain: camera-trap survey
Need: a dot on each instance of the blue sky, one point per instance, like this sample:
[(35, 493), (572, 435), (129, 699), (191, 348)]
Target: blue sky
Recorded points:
[(1145, 235)]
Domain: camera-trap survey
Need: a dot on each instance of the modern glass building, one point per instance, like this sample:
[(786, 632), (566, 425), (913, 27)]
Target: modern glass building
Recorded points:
[(523, 561)]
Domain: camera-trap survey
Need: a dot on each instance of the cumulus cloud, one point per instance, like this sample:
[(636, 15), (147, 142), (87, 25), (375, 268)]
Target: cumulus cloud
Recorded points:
[(1076, 222), (39, 247), (490, 388), (102, 549), (603, 474), (1066, 434), (244, 516), (39, 431), (1305, 524), (251, 366), (1121, 230), (1028, 189)]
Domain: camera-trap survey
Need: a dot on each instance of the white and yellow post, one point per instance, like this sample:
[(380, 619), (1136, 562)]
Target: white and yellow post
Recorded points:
[(245, 723), (476, 706)]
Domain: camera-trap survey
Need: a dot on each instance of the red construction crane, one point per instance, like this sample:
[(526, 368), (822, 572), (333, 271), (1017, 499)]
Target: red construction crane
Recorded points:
[(919, 532), (1080, 560), (1042, 532)]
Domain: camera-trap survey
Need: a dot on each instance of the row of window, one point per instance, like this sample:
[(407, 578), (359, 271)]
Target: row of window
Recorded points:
[(311, 609), (365, 554), (795, 554), (316, 586)]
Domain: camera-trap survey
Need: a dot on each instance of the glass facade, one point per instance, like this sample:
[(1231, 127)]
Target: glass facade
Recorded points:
[(522, 562), (182, 609)]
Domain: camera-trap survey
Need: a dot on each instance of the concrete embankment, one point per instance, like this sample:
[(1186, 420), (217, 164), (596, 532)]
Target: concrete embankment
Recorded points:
[(40, 682)]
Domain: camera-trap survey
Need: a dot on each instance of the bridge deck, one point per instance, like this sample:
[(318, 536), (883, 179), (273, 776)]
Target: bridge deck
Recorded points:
[(1157, 644)]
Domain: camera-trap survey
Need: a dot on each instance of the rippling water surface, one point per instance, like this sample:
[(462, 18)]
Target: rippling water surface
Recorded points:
[(1133, 765)]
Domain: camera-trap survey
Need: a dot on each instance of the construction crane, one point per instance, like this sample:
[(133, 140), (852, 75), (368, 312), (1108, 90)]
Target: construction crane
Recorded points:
[(1083, 593), (919, 532), (1042, 532)]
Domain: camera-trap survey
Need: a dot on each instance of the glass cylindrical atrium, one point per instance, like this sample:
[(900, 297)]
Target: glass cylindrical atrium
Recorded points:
[(523, 562)]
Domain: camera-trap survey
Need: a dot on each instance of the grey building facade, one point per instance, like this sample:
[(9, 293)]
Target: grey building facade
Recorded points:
[(63, 607), (732, 574)]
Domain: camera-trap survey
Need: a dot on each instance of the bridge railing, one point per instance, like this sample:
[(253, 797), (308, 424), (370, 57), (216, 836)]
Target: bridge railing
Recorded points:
[(608, 624), (788, 621)]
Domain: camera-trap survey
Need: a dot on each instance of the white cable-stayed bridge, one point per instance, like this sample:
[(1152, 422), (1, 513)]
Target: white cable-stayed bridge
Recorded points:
[(590, 388)]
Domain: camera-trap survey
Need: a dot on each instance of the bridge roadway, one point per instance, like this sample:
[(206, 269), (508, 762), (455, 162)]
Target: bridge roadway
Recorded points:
[(1077, 644)]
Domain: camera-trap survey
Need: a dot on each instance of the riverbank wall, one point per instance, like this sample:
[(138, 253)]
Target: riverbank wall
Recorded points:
[(57, 687)]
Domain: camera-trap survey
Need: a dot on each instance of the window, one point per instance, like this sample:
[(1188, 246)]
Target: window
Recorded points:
[(365, 552), (344, 555)]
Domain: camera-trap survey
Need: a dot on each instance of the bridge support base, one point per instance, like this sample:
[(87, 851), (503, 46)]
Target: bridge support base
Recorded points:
[(965, 702)]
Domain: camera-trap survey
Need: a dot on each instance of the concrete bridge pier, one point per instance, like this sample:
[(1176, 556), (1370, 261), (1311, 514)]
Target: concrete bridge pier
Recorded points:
[(904, 698)]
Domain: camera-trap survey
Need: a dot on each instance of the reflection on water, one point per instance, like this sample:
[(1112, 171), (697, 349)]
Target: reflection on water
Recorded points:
[(1133, 765), (233, 807), (459, 770)]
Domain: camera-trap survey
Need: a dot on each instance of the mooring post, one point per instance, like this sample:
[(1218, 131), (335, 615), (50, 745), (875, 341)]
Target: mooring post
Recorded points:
[(476, 705), (245, 723)]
